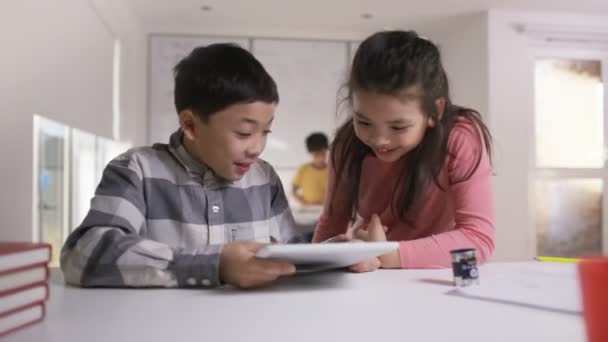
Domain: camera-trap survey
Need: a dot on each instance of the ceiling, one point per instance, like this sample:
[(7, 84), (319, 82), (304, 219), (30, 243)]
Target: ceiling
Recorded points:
[(274, 16)]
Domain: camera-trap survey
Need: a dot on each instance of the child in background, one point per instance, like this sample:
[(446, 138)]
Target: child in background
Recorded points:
[(193, 212), (412, 165), (310, 181)]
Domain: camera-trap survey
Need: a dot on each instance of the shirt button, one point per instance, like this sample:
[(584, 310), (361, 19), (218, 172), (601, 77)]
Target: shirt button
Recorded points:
[(191, 281), (215, 209), (206, 282)]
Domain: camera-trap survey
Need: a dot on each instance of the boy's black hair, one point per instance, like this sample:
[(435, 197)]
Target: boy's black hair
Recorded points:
[(216, 76), (316, 142)]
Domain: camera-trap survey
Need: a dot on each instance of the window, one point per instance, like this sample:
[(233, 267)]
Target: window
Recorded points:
[(570, 171), (51, 175), (68, 164)]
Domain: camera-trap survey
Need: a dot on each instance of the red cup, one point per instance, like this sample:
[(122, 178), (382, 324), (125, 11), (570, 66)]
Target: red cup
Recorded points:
[(593, 274)]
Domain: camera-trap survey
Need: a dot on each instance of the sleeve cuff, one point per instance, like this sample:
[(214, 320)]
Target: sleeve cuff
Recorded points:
[(403, 255), (198, 270)]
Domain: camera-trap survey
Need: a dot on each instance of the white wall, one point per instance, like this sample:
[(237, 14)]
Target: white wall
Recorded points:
[(463, 42), (263, 31), (133, 119), (56, 61), (125, 27), (512, 114)]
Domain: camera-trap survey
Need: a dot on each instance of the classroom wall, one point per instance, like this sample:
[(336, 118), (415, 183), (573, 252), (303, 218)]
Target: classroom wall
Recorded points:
[(463, 43), (262, 30), (511, 106), (56, 61), (126, 28)]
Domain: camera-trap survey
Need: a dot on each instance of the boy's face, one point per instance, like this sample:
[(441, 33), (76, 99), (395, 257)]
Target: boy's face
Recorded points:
[(319, 158), (231, 140)]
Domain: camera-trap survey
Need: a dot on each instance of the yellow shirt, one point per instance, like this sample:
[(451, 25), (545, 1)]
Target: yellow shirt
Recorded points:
[(312, 182)]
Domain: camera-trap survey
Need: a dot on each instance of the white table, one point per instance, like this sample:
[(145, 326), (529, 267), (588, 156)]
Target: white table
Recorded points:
[(306, 217), (387, 305), (306, 214)]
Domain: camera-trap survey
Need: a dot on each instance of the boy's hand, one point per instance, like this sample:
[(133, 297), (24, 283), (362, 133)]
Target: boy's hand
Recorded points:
[(240, 267)]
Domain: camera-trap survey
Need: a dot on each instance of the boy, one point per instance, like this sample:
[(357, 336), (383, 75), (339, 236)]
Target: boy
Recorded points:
[(192, 213), (310, 182)]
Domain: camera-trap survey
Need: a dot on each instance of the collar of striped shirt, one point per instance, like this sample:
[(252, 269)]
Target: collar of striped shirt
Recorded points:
[(195, 168), (177, 148)]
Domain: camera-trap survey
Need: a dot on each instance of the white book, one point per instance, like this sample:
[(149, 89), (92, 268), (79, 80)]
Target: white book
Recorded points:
[(16, 255), (21, 298), (21, 318), (22, 278)]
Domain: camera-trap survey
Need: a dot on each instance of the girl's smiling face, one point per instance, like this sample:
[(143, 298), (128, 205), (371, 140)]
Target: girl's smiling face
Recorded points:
[(390, 125)]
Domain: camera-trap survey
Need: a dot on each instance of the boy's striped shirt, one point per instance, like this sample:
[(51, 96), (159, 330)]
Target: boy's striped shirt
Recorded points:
[(160, 218)]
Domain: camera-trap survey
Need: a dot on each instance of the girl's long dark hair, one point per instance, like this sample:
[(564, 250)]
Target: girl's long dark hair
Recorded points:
[(391, 62)]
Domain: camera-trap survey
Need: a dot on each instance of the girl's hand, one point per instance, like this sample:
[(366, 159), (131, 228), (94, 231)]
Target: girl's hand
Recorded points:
[(366, 266), (377, 232), (371, 231)]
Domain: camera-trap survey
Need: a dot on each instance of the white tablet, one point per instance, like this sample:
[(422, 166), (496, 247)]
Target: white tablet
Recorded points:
[(323, 256)]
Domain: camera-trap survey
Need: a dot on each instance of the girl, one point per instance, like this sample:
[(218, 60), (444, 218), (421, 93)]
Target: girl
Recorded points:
[(412, 166)]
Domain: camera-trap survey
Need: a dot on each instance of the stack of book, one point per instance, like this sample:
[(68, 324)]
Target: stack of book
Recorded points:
[(24, 288)]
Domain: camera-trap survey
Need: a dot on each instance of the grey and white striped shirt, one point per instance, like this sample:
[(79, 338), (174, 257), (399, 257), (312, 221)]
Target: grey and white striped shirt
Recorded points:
[(160, 218)]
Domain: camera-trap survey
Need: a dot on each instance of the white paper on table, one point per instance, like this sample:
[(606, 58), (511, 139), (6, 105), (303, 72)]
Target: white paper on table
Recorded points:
[(545, 289)]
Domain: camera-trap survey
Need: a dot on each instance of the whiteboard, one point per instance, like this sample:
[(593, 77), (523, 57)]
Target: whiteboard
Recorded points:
[(164, 52), (308, 75)]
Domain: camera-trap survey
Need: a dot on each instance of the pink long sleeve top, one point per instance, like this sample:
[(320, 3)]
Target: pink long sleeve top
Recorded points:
[(462, 216)]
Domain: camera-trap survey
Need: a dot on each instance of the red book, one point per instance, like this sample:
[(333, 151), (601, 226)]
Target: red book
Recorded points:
[(20, 298), (19, 255), (23, 277), (19, 319)]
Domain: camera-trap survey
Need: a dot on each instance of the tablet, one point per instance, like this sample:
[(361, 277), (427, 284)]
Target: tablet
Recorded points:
[(322, 256)]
